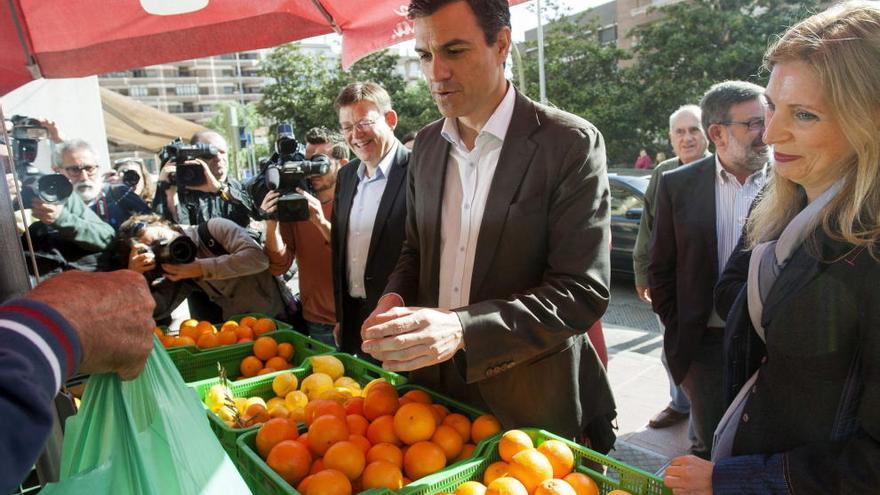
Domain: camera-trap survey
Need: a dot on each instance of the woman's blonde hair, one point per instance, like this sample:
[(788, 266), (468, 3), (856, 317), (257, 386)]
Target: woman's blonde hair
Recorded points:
[(842, 46)]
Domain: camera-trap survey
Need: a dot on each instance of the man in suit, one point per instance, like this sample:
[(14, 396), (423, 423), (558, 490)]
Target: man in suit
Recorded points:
[(701, 209), (689, 143), (506, 257), (369, 209)]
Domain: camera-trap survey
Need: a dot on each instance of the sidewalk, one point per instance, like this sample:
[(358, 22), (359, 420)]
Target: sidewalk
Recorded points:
[(641, 390)]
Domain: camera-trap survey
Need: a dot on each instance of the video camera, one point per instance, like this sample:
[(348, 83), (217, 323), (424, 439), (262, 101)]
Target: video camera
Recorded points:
[(187, 174), (48, 188), (51, 189), (288, 170)]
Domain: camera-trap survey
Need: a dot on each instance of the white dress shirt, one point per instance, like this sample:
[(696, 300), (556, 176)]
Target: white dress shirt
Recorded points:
[(469, 176), (361, 219), (732, 202)]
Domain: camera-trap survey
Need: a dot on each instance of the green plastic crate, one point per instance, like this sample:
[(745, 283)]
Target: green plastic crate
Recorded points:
[(201, 365), (616, 475)]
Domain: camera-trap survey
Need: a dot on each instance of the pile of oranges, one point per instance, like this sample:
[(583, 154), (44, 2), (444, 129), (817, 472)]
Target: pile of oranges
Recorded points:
[(524, 469), (204, 335), (268, 357), (377, 440)]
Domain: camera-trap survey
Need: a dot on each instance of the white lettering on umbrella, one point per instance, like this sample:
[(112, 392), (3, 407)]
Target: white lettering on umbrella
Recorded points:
[(403, 28), (172, 7)]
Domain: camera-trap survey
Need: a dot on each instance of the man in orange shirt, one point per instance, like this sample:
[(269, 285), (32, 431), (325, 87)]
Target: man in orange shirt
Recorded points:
[(309, 241)]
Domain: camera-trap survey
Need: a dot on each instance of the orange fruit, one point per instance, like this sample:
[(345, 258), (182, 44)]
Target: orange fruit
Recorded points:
[(440, 412), (361, 441), (582, 484), (506, 486), (189, 323), (167, 341), (471, 488), (386, 452), (554, 487), (205, 327), (461, 424), (357, 424), (416, 395), (264, 325), (380, 402), (244, 332), (239, 341), (272, 433), (423, 458), (265, 348), (355, 405), (414, 422), (494, 471), (317, 466), (188, 331), (301, 487), (285, 351), (247, 321), (321, 407), (227, 337), (254, 414), (466, 451), (345, 457), (266, 371), (484, 426), (449, 440), (181, 341), (512, 442), (560, 456), (207, 341), (328, 482), (382, 474), (381, 430), (250, 366), (277, 363), (531, 468), (325, 431), (291, 460), (619, 492)]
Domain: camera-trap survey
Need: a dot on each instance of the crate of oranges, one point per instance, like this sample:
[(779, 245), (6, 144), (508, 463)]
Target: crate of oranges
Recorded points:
[(262, 355), (530, 461), (381, 440), (239, 406), (196, 335)]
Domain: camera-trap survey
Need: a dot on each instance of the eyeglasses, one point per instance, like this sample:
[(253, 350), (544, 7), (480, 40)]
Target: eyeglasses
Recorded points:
[(363, 126), (75, 169), (753, 124)]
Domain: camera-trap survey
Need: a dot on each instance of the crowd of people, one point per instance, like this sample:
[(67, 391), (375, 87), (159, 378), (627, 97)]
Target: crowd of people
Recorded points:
[(474, 257)]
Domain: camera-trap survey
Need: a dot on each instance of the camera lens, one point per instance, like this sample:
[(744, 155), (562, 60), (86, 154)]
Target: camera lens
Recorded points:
[(182, 250), (54, 188), (131, 178)]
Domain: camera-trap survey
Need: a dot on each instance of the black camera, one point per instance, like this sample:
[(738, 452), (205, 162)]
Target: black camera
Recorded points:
[(288, 170), (50, 188), (131, 178), (187, 175), (179, 251), (26, 135)]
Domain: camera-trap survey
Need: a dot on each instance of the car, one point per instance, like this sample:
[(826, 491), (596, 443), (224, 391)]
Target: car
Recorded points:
[(627, 202)]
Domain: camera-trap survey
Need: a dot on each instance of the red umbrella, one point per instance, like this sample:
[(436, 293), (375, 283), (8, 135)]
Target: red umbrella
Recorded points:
[(74, 38)]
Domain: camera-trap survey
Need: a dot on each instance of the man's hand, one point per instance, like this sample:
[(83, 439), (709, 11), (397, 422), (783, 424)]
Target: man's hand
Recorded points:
[(112, 313), (54, 133), (211, 184), (644, 293), (316, 213), (141, 259), (407, 339), (689, 475), (46, 213), (180, 272), (383, 306), (270, 202)]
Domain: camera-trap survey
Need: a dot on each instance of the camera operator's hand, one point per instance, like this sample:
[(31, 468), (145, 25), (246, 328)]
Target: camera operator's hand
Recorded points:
[(270, 203), (54, 134), (46, 213), (211, 185), (181, 272), (10, 186), (316, 213), (141, 259), (165, 174)]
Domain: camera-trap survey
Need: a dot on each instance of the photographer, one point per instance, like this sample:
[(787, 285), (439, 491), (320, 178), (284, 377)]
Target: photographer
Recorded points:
[(133, 173), (224, 262), (218, 196), (77, 161), (309, 241)]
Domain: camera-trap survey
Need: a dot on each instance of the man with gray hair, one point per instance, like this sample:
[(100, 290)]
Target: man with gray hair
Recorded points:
[(700, 212), (689, 143)]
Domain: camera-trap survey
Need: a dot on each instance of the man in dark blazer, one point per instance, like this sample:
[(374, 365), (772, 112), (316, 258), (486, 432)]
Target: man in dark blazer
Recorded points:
[(700, 212), (369, 209), (506, 258)]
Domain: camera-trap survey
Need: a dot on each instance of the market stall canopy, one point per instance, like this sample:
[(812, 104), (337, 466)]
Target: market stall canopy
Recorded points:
[(130, 122), (75, 38)]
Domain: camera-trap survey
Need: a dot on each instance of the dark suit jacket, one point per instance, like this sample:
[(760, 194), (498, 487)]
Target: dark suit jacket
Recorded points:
[(541, 273), (812, 421), (684, 260), (385, 242)]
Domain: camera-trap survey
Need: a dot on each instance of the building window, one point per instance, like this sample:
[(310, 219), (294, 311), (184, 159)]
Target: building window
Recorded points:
[(138, 73), (228, 90), (184, 72), (137, 91), (188, 107), (608, 34), (187, 90)]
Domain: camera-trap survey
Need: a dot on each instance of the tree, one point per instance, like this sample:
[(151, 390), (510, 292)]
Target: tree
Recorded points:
[(246, 116)]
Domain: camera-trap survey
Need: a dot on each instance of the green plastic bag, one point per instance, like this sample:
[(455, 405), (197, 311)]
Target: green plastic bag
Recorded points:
[(148, 436)]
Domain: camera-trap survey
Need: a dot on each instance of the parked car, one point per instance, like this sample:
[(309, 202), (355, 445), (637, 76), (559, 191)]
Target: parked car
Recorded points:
[(627, 202)]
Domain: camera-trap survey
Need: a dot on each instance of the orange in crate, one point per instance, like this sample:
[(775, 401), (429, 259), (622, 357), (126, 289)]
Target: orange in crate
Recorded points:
[(264, 325)]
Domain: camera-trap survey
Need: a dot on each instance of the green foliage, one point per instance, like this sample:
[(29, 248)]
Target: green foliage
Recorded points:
[(305, 89), (247, 116)]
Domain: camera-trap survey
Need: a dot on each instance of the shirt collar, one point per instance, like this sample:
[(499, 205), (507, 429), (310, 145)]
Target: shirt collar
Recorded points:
[(384, 164), (496, 126), (724, 176)]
